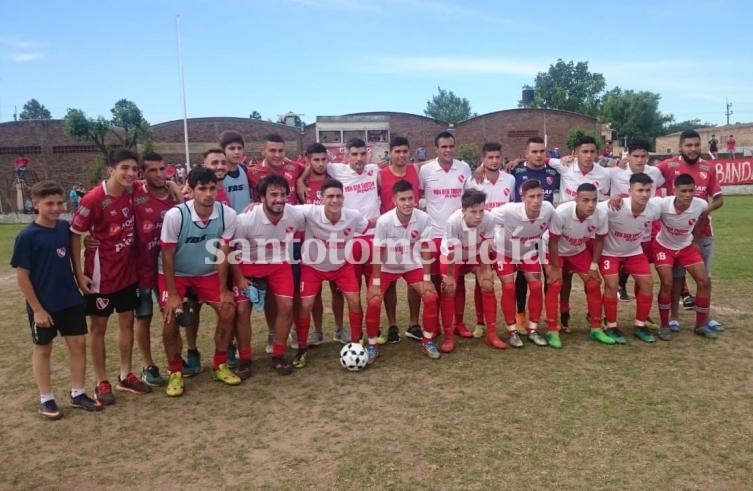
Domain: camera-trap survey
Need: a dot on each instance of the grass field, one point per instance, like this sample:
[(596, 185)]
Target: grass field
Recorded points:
[(665, 416)]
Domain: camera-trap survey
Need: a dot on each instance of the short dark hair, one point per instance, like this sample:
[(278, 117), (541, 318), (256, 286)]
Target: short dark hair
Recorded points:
[(586, 187), (331, 183), (687, 134), (150, 157), (398, 141), (490, 147), (472, 197), (272, 180), (684, 180), (355, 143), (585, 140), (213, 150), (274, 138), (201, 175), (535, 139), (638, 144), (230, 136), (401, 186), (316, 148), (529, 184), (42, 189), (122, 155), (641, 178), (444, 134)]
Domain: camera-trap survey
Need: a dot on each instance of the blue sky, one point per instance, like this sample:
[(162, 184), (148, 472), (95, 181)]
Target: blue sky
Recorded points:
[(329, 57)]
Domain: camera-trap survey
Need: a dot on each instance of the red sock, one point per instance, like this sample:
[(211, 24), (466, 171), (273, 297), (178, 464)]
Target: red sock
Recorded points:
[(245, 353), (302, 326), (535, 300), (665, 303), (278, 350), (459, 300), (478, 300), (175, 366), (356, 325), (508, 302), (430, 315), (448, 311), (642, 306), (610, 311), (220, 357), (489, 305), (702, 305), (552, 298), (593, 300), (373, 315)]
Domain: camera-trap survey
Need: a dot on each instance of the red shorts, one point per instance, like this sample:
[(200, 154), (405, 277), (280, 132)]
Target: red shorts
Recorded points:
[(279, 277), (207, 288), (579, 263), (411, 277), (362, 246), (648, 250), (460, 269), (344, 278), (683, 258), (635, 265), (435, 255), (506, 267)]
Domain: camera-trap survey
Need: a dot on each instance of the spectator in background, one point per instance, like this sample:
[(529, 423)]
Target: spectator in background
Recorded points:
[(713, 146), (74, 197), (555, 153), (731, 144), (421, 154), (607, 150), (22, 165), (180, 174)]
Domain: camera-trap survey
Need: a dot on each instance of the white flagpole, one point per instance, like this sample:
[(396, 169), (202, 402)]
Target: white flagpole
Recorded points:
[(183, 93)]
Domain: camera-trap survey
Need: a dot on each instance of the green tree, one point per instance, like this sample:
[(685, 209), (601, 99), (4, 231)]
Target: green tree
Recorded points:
[(446, 106), (576, 133), (34, 110), (78, 125), (255, 115), (130, 123), (634, 114), (469, 153), (569, 87), (690, 124)]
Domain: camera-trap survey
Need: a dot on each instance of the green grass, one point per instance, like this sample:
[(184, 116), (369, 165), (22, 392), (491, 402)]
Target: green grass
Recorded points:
[(669, 415)]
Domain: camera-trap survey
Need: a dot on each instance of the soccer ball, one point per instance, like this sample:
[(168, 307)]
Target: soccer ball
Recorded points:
[(353, 357)]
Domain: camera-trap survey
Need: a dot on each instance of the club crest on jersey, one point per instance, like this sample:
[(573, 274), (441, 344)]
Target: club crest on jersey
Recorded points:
[(414, 234), (346, 232), (703, 175), (288, 230), (591, 229), (507, 192), (542, 226), (106, 202), (461, 178), (125, 212), (692, 221), (60, 251), (549, 180), (102, 303)]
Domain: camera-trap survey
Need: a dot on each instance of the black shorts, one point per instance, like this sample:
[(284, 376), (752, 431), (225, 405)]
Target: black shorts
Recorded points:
[(296, 264), (68, 322), (102, 305)]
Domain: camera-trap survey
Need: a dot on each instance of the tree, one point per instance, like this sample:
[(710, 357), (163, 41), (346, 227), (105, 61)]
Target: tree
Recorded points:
[(690, 124), (568, 87), (77, 125), (255, 115), (575, 134), (469, 153), (634, 114), (34, 110), (446, 106), (127, 116)]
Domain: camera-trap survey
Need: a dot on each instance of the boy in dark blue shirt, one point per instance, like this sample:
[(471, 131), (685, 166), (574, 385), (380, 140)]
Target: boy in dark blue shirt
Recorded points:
[(42, 259)]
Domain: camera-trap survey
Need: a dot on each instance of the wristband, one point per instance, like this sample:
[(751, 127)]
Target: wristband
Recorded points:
[(594, 267), (427, 277), (376, 282)]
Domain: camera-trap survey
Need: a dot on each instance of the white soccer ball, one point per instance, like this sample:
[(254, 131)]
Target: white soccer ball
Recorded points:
[(353, 357)]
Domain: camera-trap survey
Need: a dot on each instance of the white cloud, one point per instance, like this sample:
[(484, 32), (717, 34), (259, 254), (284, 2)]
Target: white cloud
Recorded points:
[(21, 50), (26, 57)]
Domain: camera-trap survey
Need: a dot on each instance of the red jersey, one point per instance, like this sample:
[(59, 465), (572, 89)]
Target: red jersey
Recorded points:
[(389, 178), (290, 170), (149, 212), (704, 175), (110, 220), (222, 196), (313, 195)]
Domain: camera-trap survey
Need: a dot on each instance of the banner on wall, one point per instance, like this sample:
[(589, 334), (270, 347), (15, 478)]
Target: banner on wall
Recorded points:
[(733, 172)]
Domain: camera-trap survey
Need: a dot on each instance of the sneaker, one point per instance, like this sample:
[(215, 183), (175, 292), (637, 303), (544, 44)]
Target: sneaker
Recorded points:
[(174, 384), (479, 331), (50, 410), (150, 376), (132, 384), (342, 336), (536, 338), (674, 325), (293, 339), (616, 334), (688, 302), (83, 401), (600, 336), (623, 294), (415, 332), (381, 338), (270, 339), (301, 359), (553, 339), (281, 365), (430, 349), (644, 334), (513, 339), (232, 356), (372, 352), (225, 374), (243, 370), (651, 325), (715, 326), (103, 393), (565, 322), (192, 366), (462, 331), (705, 332), (393, 335), (316, 338), (665, 333)]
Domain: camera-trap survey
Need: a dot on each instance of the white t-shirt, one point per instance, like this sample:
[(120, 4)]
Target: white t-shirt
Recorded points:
[(626, 230), (359, 190), (576, 232), (442, 191), (517, 234), (468, 240), (267, 241), (620, 180), (498, 192), (325, 245), (399, 241), (677, 228), (571, 177)]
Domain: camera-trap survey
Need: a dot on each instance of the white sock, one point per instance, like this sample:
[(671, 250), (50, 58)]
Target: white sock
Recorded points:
[(46, 397), (77, 392)]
